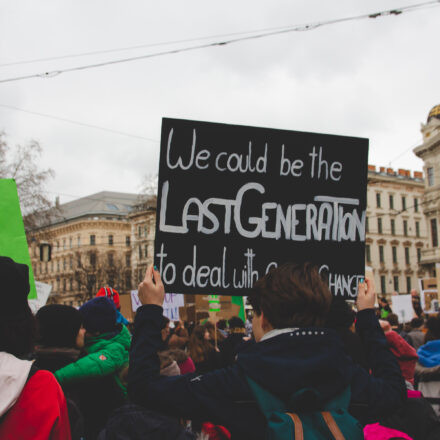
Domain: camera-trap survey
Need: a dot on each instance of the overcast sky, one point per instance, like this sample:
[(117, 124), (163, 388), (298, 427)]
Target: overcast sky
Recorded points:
[(375, 78)]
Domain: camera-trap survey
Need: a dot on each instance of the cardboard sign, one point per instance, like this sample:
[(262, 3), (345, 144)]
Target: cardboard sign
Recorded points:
[(235, 201), (171, 301), (13, 241), (402, 307)]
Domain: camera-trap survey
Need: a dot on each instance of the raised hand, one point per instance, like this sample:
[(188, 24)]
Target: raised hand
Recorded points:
[(151, 289), (366, 295)]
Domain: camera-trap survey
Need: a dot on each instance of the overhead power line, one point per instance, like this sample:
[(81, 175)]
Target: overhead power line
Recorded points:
[(83, 124), (296, 28)]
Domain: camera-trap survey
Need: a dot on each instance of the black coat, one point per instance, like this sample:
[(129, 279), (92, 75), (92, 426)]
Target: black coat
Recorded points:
[(312, 357)]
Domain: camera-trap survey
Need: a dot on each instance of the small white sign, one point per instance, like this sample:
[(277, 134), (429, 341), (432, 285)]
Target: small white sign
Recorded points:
[(172, 302), (43, 292), (402, 307)]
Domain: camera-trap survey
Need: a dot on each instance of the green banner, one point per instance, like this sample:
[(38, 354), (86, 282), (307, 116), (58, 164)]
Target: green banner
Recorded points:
[(239, 300), (13, 241)]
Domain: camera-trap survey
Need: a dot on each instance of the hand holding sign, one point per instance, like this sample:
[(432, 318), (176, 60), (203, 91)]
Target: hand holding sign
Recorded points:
[(366, 295), (151, 290)]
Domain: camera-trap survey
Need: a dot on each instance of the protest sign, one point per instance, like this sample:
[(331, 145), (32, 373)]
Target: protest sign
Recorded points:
[(235, 201), (402, 307), (171, 304), (13, 241), (43, 292)]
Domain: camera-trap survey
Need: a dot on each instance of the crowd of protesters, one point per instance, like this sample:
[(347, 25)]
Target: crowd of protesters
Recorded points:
[(311, 362)]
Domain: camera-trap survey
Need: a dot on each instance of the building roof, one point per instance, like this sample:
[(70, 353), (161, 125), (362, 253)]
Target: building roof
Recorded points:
[(105, 204), (434, 113)]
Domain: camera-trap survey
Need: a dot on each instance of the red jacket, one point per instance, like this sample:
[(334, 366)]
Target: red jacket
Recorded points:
[(405, 354), (40, 413)]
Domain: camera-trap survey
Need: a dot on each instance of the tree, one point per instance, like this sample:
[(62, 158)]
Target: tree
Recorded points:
[(21, 165)]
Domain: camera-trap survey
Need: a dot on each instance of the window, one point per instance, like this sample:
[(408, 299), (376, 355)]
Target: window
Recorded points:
[(92, 240), (417, 229), (139, 231), (416, 205), (407, 261), (430, 171), (79, 241), (128, 281), (58, 265), (405, 228), (140, 252), (71, 262), (128, 260), (396, 283), (383, 284), (64, 243), (78, 260), (64, 285), (71, 284), (127, 240), (394, 252), (381, 257), (408, 284), (391, 201), (368, 252), (146, 250), (403, 203), (64, 264), (379, 225), (70, 242), (58, 245), (58, 285), (419, 255), (367, 227), (434, 232), (110, 259), (393, 227), (92, 259), (110, 240), (378, 200)]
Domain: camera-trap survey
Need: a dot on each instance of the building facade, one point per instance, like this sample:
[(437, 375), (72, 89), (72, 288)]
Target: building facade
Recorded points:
[(90, 243), (429, 151), (396, 234)]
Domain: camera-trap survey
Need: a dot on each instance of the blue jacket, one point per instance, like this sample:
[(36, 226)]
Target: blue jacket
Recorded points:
[(283, 364), (429, 354)]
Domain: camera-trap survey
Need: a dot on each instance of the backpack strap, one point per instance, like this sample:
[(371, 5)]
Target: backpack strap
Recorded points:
[(299, 434), (332, 425)]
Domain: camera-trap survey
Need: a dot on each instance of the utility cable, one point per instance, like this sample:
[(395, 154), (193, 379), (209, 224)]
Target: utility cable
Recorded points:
[(307, 27)]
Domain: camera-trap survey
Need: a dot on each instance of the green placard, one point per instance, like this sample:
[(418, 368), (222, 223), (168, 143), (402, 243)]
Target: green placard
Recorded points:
[(13, 241)]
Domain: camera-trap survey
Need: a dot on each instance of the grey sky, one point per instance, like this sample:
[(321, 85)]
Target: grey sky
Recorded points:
[(372, 78)]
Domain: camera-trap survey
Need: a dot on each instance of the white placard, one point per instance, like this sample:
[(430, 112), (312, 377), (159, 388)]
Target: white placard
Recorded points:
[(43, 292), (171, 301), (402, 307)]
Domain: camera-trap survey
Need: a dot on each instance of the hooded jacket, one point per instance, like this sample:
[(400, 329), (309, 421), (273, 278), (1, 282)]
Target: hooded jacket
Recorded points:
[(307, 357), (33, 409)]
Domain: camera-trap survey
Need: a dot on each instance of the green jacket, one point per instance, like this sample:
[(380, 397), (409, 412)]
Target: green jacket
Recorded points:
[(105, 356)]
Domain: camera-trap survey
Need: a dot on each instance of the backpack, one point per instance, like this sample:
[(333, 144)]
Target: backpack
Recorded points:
[(299, 418)]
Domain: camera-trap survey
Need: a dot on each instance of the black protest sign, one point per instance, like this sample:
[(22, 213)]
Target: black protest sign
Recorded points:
[(234, 201)]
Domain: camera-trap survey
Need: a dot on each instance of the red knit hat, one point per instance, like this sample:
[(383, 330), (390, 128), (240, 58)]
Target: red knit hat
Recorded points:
[(110, 293)]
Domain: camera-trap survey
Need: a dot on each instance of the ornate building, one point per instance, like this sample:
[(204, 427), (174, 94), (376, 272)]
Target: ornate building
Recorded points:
[(429, 151), (91, 246), (396, 235)]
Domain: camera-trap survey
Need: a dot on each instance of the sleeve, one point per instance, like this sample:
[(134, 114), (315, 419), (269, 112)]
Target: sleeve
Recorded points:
[(185, 396), (101, 363), (384, 389)]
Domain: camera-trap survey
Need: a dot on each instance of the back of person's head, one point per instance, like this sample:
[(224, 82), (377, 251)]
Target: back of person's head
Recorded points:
[(416, 323), (393, 319), (58, 325), (341, 315), (222, 324), (433, 326), (292, 295), (236, 322), (110, 293), (17, 324), (99, 315), (198, 345)]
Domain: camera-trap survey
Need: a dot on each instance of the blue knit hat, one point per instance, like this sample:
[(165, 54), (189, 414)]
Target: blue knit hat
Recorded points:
[(99, 315)]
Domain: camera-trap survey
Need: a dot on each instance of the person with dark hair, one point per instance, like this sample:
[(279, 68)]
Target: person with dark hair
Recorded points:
[(32, 403), (341, 318), (384, 307), (179, 338), (416, 337), (99, 374), (293, 352), (202, 351), (231, 345)]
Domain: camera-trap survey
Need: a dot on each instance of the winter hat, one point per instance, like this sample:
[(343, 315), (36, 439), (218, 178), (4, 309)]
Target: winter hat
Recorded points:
[(58, 325), (111, 294), (14, 288), (99, 315)]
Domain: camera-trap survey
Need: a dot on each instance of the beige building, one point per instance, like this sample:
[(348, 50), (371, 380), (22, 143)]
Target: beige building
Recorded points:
[(90, 242), (396, 234), (429, 151)]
